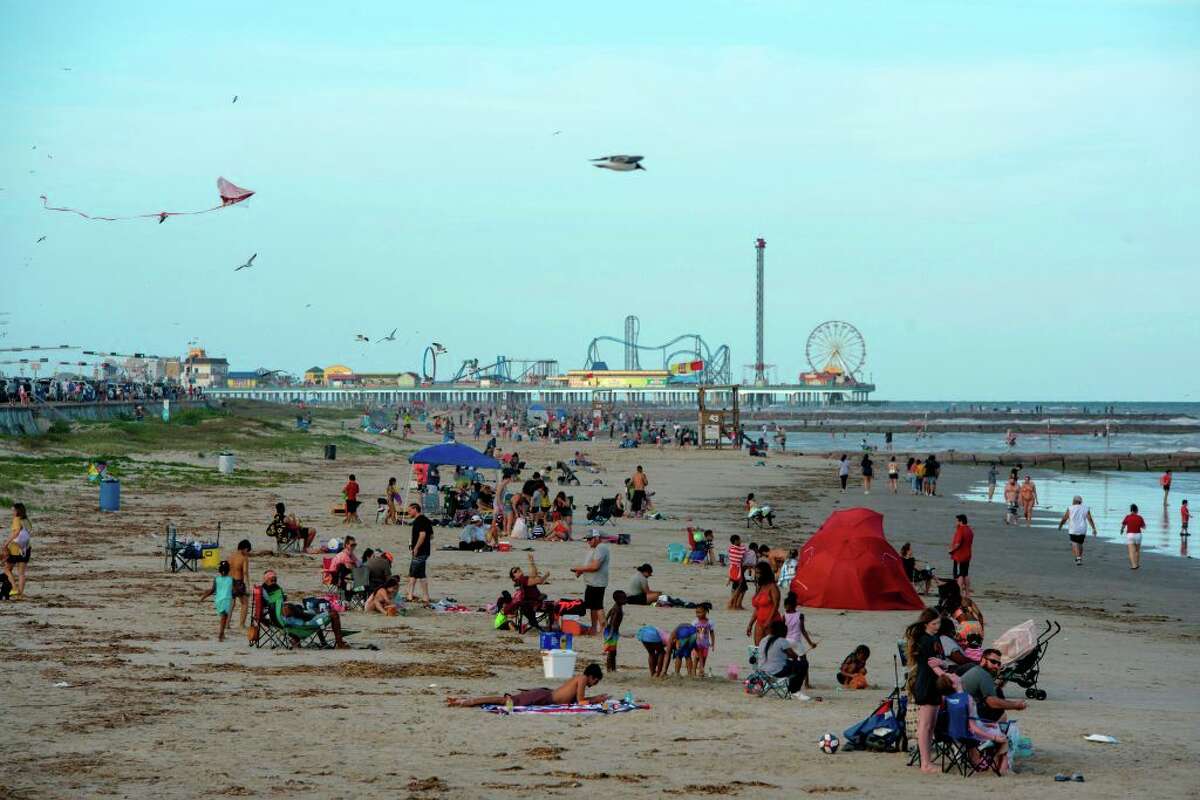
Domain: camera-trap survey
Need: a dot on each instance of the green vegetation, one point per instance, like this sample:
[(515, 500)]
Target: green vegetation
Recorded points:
[(257, 429)]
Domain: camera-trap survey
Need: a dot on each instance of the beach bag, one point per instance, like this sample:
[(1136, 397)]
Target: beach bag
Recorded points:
[(520, 530), (735, 573)]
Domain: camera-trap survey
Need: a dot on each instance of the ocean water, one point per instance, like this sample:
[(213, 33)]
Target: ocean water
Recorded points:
[(1051, 408), (1108, 495), (914, 444)]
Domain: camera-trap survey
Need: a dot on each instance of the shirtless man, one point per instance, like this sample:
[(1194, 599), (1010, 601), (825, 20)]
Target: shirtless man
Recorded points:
[(1011, 488), (1028, 497), (239, 570), (573, 691)]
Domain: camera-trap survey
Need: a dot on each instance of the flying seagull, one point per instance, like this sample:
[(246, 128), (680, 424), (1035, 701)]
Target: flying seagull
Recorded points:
[(39, 241), (391, 337), (619, 163), (556, 133), (358, 337), (235, 97), (247, 265)]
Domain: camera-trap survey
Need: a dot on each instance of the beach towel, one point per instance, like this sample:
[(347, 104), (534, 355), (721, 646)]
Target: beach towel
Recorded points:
[(610, 707)]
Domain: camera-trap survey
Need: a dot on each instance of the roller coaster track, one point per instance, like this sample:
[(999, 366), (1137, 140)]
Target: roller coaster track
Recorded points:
[(716, 362)]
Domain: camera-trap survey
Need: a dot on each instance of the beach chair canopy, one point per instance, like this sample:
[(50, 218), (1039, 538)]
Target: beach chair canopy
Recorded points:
[(454, 454), (849, 564)]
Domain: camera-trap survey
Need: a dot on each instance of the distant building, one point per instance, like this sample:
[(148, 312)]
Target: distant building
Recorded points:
[(616, 378), (242, 380), (172, 369), (314, 376), (401, 379), (203, 372)]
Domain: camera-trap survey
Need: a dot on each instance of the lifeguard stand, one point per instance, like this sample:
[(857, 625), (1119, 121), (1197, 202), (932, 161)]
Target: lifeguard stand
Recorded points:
[(718, 422)]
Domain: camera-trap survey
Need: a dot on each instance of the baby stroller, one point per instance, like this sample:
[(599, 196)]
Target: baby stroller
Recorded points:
[(1023, 658), (566, 475)]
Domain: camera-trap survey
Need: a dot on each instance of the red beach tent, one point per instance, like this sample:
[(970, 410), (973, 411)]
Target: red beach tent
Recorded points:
[(849, 564)]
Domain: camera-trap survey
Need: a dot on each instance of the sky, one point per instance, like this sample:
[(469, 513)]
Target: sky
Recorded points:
[(1002, 196)]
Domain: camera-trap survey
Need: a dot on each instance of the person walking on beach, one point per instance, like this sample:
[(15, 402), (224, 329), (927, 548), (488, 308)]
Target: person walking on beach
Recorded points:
[(991, 480), (737, 578), (1165, 483), (844, 471), (17, 550), (893, 474), (1027, 494), (221, 592), (766, 602), (419, 547), (595, 575), (350, 492), (960, 553), (1077, 518), (1132, 526), (239, 573), (868, 472)]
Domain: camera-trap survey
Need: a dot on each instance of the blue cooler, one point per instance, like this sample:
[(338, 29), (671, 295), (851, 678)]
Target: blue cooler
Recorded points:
[(555, 640)]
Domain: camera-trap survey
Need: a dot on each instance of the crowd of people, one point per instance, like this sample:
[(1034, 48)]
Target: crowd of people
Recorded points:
[(25, 391)]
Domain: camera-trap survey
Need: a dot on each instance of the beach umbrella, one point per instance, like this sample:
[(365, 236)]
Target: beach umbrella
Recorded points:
[(849, 564), (453, 454)]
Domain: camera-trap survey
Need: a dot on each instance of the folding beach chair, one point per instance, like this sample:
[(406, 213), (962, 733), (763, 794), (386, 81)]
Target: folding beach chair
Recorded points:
[(762, 683), (183, 555), (357, 588), (286, 539), (273, 633)]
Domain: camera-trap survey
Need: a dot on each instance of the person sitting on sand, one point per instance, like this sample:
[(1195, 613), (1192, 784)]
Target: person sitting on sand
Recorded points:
[(383, 599), (573, 691), (639, 592), (474, 535), (853, 672), (296, 616)]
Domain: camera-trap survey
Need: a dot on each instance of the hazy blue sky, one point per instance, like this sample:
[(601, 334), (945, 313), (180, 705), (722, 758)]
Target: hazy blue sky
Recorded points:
[(1002, 196)]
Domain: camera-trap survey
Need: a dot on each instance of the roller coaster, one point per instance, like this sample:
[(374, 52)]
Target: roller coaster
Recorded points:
[(505, 369), (690, 347)]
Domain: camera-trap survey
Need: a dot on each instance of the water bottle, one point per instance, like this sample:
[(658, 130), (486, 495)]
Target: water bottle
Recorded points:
[(628, 699)]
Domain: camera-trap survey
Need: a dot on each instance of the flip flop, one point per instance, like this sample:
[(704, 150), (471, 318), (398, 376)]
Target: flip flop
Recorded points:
[(1077, 777), (1060, 778)]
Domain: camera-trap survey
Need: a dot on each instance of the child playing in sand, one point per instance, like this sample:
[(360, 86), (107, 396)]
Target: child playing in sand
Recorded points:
[(654, 640), (612, 630), (221, 592), (706, 637), (681, 646), (853, 673)]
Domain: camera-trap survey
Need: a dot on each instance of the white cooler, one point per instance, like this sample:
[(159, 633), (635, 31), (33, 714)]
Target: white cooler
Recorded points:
[(558, 664)]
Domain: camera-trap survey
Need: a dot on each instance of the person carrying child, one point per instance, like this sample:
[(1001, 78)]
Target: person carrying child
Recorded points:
[(612, 630), (221, 592)]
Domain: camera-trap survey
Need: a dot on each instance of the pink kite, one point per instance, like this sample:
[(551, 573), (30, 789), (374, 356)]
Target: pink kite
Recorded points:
[(231, 194)]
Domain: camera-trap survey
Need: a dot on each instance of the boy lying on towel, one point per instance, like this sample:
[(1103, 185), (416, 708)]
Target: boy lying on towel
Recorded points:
[(573, 691)]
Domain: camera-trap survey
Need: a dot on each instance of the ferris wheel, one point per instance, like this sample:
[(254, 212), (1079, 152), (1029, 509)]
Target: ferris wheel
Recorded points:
[(836, 347)]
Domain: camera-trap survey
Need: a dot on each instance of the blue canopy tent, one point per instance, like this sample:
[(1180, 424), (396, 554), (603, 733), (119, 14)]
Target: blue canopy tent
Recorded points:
[(453, 454)]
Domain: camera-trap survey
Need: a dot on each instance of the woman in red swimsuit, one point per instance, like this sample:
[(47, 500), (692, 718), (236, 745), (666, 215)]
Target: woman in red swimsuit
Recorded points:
[(765, 602)]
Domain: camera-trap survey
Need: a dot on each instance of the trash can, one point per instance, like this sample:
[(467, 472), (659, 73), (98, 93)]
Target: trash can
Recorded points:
[(558, 664), (110, 495), (330, 452), (225, 463)]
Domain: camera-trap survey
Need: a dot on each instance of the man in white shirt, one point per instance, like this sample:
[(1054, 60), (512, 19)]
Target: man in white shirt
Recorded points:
[(1077, 518)]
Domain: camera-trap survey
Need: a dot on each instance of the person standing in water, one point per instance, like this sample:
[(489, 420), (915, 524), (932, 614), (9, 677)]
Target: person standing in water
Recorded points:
[(1165, 483), (991, 480)]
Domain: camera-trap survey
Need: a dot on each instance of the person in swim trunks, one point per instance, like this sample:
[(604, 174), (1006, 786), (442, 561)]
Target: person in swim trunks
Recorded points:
[(239, 569), (572, 692)]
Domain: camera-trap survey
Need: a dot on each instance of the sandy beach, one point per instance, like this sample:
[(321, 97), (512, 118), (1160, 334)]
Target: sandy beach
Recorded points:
[(156, 706)]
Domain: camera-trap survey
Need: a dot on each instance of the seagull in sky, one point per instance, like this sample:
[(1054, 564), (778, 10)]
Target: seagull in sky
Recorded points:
[(556, 133), (39, 241), (235, 97), (619, 163), (247, 265), (358, 337), (391, 337)]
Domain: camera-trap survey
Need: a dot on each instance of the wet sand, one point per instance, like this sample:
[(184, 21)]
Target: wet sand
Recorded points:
[(157, 706)]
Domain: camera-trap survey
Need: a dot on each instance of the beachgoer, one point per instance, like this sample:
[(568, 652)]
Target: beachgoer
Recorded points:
[(572, 692), (383, 599), (639, 593), (924, 655), (420, 545), (221, 592), (350, 493), (612, 630), (473, 536), (766, 602), (777, 657), (296, 615), (528, 597), (960, 552), (992, 475), (932, 469), (989, 707), (787, 570), (288, 525), (893, 469), (1077, 518), (853, 672), (1165, 483), (595, 575), (239, 572), (843, 472), (706, 637), (1011, 490), (1027, 495), (17, 550), (914, 574), (392, 495), (1132, 526), (1185, 514), (638, 483), (654, 640), (343, 564), (868, 472), (797, 633), (737, 578), (379, 568), (681, 647)]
